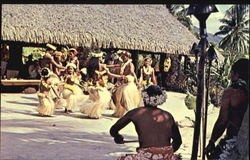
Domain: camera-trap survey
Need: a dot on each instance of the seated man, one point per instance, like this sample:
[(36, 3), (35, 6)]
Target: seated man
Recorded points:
[(234, 104), (158, 134)]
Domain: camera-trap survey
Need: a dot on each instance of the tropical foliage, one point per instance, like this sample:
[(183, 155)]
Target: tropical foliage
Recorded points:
[(34, 51), (190, 101), (234, 45), (191, 78), (179, 11), (219, 77), (235, 28)]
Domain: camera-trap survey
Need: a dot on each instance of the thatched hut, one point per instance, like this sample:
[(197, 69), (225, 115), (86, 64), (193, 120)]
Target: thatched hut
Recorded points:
[(136, 27), (149, 28)]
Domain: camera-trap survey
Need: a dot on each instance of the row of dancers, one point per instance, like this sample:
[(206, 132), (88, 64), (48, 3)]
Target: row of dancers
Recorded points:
[(92, 90)]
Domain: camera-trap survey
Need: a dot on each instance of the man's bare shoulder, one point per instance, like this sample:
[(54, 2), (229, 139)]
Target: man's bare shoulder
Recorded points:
[(133, 111), (228, 92), (233, 92), (235, 96), (142, 110)]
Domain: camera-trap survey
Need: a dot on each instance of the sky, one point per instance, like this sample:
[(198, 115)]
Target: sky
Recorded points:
[(213, 22)]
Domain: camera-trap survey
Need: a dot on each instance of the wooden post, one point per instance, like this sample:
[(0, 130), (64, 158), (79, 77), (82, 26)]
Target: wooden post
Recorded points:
[(200, 91), (205, 111)]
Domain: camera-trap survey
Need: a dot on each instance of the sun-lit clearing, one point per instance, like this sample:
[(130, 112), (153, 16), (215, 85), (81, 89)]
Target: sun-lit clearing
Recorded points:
[(21, 130), (89, 140), (43, 140), (9, 116)]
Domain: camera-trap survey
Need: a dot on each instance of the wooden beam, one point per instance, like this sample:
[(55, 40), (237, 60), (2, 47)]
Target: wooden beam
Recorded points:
[(20, 82)]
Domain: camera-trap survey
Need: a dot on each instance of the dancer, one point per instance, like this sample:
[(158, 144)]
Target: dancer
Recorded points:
[(127, 95), (48, 58), (99, 96), (72, 93), (58, 60), (147, 76), (73, 58), (46, 105), (127, 67)]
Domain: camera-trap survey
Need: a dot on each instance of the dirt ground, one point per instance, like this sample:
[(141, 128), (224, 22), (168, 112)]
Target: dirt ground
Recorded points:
[(27, 136)]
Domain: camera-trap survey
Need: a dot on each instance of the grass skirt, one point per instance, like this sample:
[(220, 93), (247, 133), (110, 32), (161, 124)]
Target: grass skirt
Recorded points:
[(46, 105), (70, 97), (99, 98), (126, 97)]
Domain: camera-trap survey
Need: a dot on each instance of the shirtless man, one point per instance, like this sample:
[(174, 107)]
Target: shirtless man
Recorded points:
[(233, 107), (157, 131)]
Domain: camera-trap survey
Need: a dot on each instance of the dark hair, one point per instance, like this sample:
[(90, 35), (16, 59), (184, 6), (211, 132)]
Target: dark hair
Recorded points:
[(49, 49), (30, 56), (44, 72), (153, 90), (242, 68), (93, 65)]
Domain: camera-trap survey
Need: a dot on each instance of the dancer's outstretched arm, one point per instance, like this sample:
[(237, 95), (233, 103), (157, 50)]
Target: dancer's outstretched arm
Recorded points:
[(115, 75)]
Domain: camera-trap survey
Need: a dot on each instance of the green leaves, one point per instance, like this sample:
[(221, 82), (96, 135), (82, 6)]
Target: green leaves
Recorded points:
[(236, 30), (191, 79), (190, 101)]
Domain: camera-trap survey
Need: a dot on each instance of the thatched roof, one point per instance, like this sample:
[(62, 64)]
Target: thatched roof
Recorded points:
[(137, 27)]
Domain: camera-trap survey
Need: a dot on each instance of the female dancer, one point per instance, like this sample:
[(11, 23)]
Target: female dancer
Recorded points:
[(73, 58), (127, 96), (46, 105), (72, 93), (99, 96), (147, 76)]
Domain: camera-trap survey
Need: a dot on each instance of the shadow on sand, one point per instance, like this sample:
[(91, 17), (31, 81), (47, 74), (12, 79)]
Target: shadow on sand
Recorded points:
[(30, 104), (78, 114), (57, 142), (30, 98)]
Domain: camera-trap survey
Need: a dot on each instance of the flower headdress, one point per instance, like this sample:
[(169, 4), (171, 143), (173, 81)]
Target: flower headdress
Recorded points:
[(71, 65), (73, 50), (154, 96), (50, 46), (96, 54), (58, 53), (125, 53)]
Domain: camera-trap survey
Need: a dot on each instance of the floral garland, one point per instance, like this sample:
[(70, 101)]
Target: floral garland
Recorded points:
[(147, 71), (124, 65), (154, 100)]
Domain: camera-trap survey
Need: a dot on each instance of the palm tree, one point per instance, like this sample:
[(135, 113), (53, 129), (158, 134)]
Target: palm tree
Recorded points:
[(179, 11), (174, 9), (236, 30)]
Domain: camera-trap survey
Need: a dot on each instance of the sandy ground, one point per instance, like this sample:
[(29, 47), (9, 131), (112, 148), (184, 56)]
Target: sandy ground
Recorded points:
[(27, 136)]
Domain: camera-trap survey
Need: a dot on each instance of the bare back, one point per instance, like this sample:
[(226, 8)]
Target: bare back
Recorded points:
[(238, 101), (160, 131), (234, 103), (155, 127)]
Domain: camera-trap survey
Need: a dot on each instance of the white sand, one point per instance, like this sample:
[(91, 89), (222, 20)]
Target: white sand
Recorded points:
[(26, 136)]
